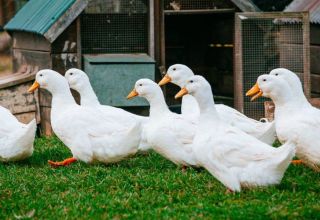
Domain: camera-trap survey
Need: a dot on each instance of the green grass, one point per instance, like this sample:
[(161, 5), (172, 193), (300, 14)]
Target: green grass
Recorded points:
[(144, 187)]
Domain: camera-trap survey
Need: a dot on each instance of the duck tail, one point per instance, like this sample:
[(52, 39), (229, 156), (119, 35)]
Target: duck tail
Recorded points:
[(135, 134), (27, 135), (21, 144), (286, 152), (269, 136)]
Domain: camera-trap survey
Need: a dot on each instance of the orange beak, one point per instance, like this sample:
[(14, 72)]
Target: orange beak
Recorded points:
[(255, 92), (181, 93), (34, 86), (132, 94), (166, 79)]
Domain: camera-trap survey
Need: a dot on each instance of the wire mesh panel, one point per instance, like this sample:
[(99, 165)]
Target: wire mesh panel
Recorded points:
[(265, 41), (195, 4), (115, 26)]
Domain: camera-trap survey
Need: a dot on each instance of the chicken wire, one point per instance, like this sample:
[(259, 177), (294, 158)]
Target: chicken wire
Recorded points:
[(121, 26), (265, 41)]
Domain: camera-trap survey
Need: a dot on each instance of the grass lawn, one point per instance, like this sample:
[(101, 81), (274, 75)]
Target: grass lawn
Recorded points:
[(144, 187)]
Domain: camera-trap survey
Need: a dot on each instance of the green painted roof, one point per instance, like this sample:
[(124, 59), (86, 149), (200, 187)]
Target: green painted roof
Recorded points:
[(38, 16)]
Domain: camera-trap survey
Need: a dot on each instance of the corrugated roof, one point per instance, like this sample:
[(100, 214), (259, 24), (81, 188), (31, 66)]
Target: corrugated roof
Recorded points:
[(38, 16), (313, 6), (246, 5)]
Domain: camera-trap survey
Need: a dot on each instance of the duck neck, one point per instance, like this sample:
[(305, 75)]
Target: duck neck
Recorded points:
[(88, 97), (287, 100), (62, 97), (206, 105), (158, 105)]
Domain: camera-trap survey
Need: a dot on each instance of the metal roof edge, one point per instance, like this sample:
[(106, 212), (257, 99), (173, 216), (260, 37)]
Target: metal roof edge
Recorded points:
[(65, 20)]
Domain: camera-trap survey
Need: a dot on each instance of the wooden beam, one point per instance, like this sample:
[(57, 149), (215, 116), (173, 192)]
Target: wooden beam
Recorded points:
[(199, 11)]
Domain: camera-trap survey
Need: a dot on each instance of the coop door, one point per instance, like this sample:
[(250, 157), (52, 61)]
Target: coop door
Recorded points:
[(264, 41)]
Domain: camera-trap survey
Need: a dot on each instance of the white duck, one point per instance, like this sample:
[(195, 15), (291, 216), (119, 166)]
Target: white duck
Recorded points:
[(168, 133), (235, 158), (296, 120), (16, 138), (86, 132), (79, 81), (179, 74)]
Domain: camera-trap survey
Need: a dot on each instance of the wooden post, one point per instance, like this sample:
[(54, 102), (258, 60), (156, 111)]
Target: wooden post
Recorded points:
[(306, 54), (237, 60), (1, 12), (151, 29)]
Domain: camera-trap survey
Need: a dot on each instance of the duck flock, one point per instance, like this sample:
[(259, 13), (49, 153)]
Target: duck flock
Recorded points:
[(233, 148)]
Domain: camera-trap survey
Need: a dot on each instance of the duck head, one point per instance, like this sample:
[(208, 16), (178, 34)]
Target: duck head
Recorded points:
[(145, 88), (293, 81), (177, 74), (49, 80), (77, 79), (269, 86), (196, 86)]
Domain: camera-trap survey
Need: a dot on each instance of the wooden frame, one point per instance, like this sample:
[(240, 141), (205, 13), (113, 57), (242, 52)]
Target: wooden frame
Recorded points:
[(238, 61)]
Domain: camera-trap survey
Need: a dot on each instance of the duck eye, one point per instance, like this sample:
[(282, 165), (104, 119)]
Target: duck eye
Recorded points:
[(71, 74), (174, 69), (276, 74), (191, 81), (264, 80), (41, 75), (140, 84)]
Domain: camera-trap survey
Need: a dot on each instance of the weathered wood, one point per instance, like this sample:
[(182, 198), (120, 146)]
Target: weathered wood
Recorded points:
[(64, 61), (18, 100), (238, 65), (314, 34), (270, 107), (65, 20), (314, 59), (30, 41), (26, 117), (67, 41), (15, 79), (306, 54), (36, 60), (45, 98), (315, 83), (199, 11), (79, 47), (151, 29), (45, 125)]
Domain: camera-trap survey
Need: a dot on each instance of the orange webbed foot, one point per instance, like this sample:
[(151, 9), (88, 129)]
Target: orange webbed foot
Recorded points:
[(297, 162), (66, 162), (229, 191)]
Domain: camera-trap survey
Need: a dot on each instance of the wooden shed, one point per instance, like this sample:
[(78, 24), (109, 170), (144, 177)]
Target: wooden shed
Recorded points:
[(107, 38), (124, 40), (313, 6)]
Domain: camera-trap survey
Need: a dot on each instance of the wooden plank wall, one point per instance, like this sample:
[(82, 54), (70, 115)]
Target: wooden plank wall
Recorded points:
[(314, 59)]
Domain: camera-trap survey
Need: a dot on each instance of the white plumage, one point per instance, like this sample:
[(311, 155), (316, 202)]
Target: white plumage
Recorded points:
[(235, 158), (79, 81), (179, 74), (168, 133), (89, 134), (296, 119), (16, 138)]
